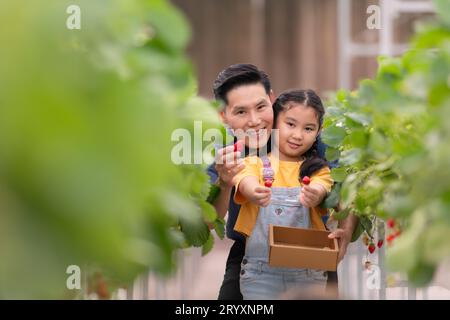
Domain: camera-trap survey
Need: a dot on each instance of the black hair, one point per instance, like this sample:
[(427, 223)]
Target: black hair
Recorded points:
[(313, 162), (237, 75)]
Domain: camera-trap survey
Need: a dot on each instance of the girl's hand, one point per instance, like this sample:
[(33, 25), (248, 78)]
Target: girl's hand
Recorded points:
[(261, 196), (312, 195)]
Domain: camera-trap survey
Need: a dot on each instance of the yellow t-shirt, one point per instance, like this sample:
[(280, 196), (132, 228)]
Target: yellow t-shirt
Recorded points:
[(286, 175)]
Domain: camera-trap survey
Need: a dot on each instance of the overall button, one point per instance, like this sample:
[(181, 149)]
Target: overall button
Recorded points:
[(244, 261), (242, 272)]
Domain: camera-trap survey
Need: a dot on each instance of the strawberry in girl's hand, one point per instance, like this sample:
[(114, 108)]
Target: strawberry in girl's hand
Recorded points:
[(371, 247), (239, 146), (306, 180), (268, 183), (390, 223)]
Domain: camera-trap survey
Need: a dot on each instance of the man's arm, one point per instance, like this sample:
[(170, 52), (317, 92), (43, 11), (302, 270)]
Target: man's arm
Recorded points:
[(344, 233), (222, 201), (228, 164)]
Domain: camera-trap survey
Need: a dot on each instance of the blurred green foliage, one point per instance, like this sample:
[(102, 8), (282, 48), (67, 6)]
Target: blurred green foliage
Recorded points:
[(392, 139), (86, 118)]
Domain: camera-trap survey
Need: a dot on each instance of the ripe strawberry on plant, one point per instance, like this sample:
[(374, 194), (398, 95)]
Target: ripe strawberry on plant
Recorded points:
[(390, 238), (371, 247), (390, 223), (380, 243), (101, 288)]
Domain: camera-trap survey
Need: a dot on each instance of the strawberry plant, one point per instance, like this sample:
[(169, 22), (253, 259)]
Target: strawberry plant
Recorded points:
[(391, 138), (86, 118)]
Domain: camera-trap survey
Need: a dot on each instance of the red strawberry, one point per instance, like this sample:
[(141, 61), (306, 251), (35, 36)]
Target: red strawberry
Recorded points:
[(238, 146), (390, 223), (380, 243), (306, 180), (371, 248), (389, 238), (268, 183), (102, 290)]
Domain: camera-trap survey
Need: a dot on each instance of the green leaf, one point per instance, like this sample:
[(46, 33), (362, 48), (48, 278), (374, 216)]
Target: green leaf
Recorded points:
[(170, 25), (357, 232), (358, 139), (360, 118), (333, 136), (349, 157), (349, 190), (334, 111), (206, 248), (442, 9), (422, 274), (219, 227), (338, 174), (196, 233), (341, 215), (331, 154), (209, 212), (332, 199), (366, 224), (214, 192)]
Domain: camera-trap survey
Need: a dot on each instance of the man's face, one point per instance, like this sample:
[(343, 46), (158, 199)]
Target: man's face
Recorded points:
[(249, 114)]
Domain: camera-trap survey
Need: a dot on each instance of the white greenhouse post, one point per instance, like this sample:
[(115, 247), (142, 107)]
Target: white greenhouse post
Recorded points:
[(344, 34), (386, 32), (382, 265)]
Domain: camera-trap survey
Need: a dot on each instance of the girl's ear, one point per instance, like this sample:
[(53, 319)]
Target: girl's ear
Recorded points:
[(272, 96)]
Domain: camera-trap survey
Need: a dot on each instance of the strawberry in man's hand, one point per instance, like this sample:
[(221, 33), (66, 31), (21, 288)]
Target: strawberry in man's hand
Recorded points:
[(239, 146)]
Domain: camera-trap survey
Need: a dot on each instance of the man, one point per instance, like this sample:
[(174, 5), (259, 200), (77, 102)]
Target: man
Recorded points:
[(246, 96)]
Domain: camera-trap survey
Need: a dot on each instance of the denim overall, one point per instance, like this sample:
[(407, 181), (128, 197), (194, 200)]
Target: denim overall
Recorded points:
[(258, 279)]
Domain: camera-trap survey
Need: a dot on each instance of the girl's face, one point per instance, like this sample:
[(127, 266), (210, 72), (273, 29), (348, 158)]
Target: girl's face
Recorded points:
[(298, 130)]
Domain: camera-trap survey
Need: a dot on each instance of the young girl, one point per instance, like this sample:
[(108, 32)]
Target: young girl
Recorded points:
[(270, 192)]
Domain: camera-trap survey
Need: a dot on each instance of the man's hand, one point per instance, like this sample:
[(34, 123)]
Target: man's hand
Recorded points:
[(261, 196), (344, 236), (312, 195), (228, 164)]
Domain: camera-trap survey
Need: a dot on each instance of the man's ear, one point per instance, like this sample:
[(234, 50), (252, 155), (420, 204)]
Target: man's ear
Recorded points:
[(272, 96), (223, 116)]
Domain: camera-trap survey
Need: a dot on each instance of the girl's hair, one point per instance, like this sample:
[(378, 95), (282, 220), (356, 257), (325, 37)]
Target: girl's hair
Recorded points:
[(286, 100)]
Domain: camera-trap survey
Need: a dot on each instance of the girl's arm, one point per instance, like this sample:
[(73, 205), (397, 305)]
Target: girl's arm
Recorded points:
[(250, 188)]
